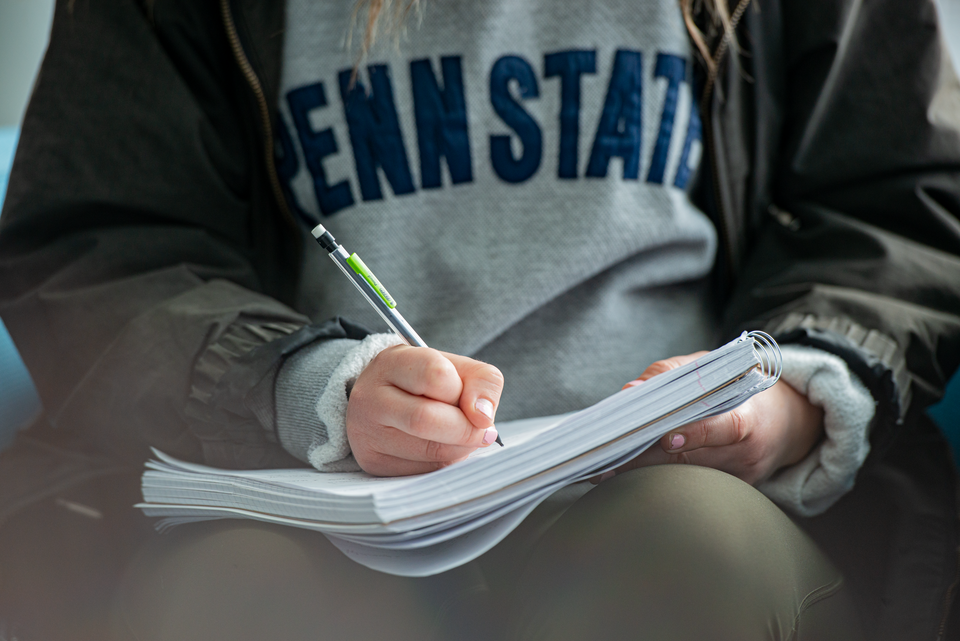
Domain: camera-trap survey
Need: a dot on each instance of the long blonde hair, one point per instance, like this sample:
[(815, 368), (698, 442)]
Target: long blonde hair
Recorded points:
[(718, 24)]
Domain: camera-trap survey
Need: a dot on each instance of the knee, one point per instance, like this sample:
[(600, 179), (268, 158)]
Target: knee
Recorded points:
[(689, 551), (682, 511)]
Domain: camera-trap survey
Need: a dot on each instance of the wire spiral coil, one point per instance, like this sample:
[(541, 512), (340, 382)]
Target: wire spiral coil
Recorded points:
[(769, 356)]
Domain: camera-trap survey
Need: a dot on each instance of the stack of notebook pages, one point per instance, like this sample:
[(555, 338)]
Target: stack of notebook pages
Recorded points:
[(425, 524)]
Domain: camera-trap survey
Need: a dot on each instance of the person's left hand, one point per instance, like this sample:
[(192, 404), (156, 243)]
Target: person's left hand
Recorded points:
[(775, 428)]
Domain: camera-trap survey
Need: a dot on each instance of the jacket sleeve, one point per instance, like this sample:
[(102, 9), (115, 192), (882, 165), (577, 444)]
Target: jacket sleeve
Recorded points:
[(859, 254), (141, 272)]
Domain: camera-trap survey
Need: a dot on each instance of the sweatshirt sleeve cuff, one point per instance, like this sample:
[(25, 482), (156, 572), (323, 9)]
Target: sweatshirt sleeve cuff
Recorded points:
[(814, 484), (312, 391)]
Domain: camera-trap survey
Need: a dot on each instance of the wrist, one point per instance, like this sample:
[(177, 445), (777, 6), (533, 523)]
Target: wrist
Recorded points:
[(804, 423), (811, 485)]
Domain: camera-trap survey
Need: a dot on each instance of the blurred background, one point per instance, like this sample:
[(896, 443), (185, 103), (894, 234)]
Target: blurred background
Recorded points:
[(24, 31)]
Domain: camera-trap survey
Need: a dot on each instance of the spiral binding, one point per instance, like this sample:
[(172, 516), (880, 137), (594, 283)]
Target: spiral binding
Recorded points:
[(768, 353)]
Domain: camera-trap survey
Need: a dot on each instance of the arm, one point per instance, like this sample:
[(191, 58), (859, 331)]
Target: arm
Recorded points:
[(144, 262), (854, 239), (839, 201), (141, 256), (801, 442)]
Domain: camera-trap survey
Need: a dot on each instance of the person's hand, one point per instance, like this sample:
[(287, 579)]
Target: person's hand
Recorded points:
[(775, 428), (415, 410)]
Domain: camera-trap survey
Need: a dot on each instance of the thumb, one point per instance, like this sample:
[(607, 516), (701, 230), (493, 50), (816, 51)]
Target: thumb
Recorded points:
[(482, 386), (665, 365)]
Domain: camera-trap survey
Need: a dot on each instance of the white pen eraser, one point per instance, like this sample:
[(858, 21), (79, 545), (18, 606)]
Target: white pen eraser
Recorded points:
[(318, 231)]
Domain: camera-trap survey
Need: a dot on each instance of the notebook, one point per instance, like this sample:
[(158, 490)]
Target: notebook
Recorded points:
[(426, 524)]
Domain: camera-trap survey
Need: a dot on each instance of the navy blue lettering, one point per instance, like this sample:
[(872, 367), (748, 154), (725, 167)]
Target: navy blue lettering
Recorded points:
[(288, 165), (694, 134), (375, 132), (316, 146), (674, 69), (619, 130), (510, 169), (441, 121), (569, 65)]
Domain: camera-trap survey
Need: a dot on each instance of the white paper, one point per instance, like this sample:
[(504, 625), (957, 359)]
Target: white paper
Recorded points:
[(420, 525)]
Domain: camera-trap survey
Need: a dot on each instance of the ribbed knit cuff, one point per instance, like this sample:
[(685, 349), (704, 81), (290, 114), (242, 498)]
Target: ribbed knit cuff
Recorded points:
[(828, 472), (312, 391)]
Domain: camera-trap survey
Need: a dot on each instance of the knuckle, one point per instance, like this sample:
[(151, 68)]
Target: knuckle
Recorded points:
[(493, 375), (483, 373), (434, 451), (702, 433), (437, 370), (422, 418), (659, 367), (672, 363), (740, 420), (664, 365)]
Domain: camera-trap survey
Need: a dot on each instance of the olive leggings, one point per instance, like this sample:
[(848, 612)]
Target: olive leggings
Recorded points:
[(668, 552)]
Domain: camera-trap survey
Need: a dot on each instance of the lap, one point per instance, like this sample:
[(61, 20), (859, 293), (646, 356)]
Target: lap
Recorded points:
[(679, 552), (245, 580), (661, 549), (672, 551)]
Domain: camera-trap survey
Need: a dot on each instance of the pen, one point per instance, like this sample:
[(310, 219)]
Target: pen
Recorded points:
[(371, 288), (368, 284)]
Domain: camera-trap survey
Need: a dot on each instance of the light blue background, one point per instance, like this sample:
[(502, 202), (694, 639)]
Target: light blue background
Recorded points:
[(19, 404)]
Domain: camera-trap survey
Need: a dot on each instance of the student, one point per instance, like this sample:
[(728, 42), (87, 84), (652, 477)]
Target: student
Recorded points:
[(560, 195)]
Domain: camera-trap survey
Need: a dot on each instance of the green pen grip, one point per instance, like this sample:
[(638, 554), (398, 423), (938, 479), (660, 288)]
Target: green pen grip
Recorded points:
[(357, 265)]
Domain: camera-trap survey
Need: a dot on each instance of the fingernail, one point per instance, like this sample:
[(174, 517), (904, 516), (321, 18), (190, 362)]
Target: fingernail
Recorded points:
[(634, 383), (489, 435), (607, 475), (677, 441), (485, 407)]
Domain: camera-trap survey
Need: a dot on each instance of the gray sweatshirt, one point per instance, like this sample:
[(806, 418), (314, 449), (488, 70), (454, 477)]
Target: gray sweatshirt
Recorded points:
[(515, 174)]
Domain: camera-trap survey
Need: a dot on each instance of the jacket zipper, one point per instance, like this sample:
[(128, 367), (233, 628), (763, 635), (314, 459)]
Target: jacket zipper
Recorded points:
[(718, 203), (254, 82), (705, 112)]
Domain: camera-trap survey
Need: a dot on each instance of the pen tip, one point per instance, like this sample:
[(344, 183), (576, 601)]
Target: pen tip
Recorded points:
[(499, 442)]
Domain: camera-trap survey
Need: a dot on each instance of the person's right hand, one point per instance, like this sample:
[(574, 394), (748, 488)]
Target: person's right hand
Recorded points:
[(415, 410)]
